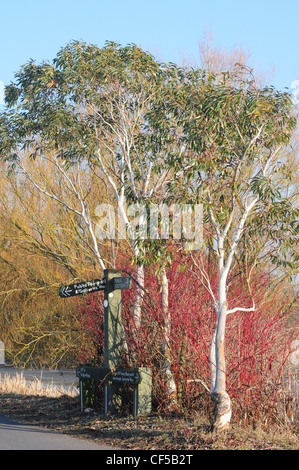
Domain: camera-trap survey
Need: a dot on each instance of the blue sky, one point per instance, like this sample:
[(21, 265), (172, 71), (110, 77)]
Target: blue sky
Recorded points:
[(170, 29)]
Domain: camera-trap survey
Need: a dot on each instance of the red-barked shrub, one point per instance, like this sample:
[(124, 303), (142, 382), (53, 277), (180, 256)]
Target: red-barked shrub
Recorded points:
[(257, 343)]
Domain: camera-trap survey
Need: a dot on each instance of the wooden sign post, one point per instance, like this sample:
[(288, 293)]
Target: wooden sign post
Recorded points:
[(141, 378), (112, 337)]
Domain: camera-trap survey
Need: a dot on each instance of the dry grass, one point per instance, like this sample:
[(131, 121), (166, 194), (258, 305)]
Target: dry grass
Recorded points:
[(20, 386)]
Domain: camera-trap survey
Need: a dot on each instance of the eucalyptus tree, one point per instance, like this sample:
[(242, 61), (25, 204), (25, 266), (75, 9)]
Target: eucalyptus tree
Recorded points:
[(234, 137), (92, 106)]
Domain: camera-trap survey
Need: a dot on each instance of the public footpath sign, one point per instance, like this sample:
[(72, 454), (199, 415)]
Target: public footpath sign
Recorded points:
[(94, 286), (82, 288)]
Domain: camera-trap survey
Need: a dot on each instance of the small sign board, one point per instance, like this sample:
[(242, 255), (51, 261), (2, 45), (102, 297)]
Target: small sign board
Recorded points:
[(125, 376), (121, 283), (117, 376)]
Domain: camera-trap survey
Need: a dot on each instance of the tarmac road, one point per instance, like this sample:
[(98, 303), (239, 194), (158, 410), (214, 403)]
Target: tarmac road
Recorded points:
[(60, 378), (20, 436)]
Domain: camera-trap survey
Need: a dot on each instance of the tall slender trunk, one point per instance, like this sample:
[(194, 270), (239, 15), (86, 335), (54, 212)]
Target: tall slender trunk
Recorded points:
[(170, 382), (219, 395), (124, 230), (213, 361), (138, 301)]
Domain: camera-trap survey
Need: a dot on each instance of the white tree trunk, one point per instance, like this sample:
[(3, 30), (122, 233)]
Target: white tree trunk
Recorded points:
[(137, 306), (219, 395), (125, 230), (213, 361), (170, 382)]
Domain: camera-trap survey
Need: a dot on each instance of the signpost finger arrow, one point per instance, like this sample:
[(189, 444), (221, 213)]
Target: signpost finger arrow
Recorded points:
[(93, 286), (82, 288)]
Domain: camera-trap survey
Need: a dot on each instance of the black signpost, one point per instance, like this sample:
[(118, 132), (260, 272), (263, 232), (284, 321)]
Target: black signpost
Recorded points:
[(111, 375), (96, 285), (82, 288)]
